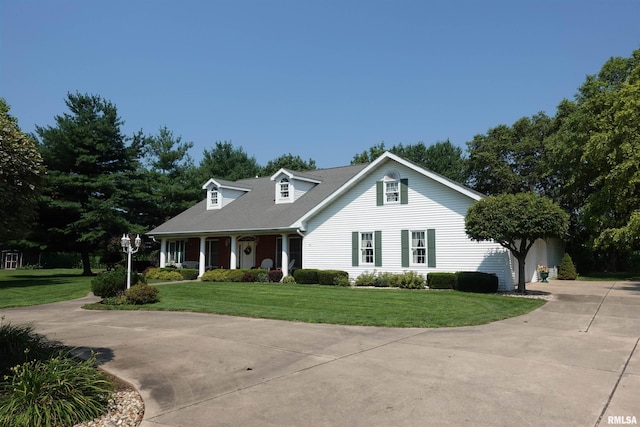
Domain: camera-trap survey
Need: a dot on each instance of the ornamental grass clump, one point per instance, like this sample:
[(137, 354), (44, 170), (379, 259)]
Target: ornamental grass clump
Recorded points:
[(19, 344), (60, 391)]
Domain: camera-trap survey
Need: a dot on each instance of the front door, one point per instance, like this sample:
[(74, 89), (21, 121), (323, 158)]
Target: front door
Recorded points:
[(247, 254)]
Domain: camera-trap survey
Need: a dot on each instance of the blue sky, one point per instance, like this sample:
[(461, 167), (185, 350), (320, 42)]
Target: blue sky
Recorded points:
[(320, 79)]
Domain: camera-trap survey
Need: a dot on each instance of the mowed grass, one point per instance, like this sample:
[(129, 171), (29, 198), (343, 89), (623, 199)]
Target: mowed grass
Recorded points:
[(337, 305), (20, 288)]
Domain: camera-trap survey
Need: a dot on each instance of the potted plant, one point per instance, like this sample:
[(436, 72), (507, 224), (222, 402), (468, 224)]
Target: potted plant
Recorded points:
[(543, 272)]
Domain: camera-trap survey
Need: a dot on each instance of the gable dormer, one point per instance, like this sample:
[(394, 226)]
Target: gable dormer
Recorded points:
[(290, 186), (221, 193)]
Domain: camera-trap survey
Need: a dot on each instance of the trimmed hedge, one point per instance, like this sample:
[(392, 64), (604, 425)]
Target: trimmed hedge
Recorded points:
[(188, 273), (218, 275), (567, 270), (441, 280), (328, 277), (475, 281), (307, 276), (275, 275)]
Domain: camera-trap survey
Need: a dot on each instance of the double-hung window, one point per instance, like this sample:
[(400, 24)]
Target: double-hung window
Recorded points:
[(418, 248), (366, 248), (392, 191), (175, 252), (284, 189), (214, 197)]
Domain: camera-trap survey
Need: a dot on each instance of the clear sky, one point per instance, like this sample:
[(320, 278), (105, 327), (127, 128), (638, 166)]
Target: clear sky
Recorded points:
[(322, 79)]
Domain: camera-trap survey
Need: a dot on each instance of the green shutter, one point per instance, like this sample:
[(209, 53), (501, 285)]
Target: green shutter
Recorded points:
[(404, 191), (355, 246), (404, 247), (377, 256), (431, 248), (379, 193)]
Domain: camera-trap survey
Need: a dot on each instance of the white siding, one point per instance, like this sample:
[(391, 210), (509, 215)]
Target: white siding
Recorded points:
[(327, 244), (300, 188), (229, 195)]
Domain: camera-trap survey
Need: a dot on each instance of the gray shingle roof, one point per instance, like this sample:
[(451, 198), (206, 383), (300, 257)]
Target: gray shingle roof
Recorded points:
[(257, 210)]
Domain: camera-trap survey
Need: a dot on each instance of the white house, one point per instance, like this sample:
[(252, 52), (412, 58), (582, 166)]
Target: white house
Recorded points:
[(389, 215)]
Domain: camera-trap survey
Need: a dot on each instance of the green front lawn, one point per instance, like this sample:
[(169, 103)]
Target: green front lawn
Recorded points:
[(337, 305), (20, 288)]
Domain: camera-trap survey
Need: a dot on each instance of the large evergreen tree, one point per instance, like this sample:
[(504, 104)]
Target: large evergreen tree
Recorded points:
[(290, 162), (227, 162), (90, 173)]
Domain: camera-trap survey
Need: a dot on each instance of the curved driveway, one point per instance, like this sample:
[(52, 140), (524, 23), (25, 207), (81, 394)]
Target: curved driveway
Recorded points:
[(573, 362)]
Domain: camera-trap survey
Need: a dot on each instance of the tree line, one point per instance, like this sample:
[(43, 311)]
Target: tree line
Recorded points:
[(75, 185)]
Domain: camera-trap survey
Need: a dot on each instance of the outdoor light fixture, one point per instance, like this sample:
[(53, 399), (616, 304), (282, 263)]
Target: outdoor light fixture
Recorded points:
[(125, 242)]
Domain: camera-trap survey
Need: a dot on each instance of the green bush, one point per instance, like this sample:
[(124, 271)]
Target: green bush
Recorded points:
[(236, 275), (112, 283), (366, 279), (54, 392), (19, 344), (171, 274), (441, 280), (262, 277), (307, 276), (410, 280), (188, 273), (386, 279), (342, 281), (289, 280), (328, 277), (475, 281), (218, 275), (567, 270), (142, 294)]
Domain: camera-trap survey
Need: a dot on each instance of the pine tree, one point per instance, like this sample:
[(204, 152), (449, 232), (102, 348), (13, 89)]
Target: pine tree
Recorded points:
[(567, 270)]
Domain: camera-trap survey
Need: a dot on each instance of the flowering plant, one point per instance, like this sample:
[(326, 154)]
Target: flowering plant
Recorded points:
[(543, 269)]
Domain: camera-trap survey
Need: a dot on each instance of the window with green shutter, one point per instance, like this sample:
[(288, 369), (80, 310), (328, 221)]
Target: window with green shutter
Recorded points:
[(418, 248)]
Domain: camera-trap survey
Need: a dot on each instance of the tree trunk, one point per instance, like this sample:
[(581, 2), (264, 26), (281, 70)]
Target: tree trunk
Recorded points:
[(521, 278), (86, 264)]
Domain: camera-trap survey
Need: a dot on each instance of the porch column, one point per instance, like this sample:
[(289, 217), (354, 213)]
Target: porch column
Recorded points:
[(233, 257), (202, 260), (163, 253), (285, 255)]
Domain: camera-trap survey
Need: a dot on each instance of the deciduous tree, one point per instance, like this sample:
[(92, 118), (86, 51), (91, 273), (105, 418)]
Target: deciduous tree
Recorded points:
[(290, 162), (21, 173), (516, 221)]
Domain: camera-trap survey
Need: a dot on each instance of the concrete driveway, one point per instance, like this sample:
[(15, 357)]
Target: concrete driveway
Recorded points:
[(573, 362)]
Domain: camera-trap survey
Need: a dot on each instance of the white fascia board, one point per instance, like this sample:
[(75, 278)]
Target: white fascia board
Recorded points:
[(220, 185), (292, 175)]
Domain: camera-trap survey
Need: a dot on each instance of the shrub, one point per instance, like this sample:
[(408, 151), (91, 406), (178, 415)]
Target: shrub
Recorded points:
[(218, 275), (236, 275), (342, 281), (410, 280), (142, 294), (289, 280), (169, 274), (386, 280), (262, 277), (275, 275), (112, 283), (366, 279), (567, 270), (54, 392), (19, 344), (307, 276), (328, 277), (475, 281), (249, 277), (188, 273), (441, 280)]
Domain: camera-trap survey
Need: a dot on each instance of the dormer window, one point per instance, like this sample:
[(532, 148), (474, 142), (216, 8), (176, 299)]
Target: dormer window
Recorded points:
[(392, 189), (284, 189), (214, 197)]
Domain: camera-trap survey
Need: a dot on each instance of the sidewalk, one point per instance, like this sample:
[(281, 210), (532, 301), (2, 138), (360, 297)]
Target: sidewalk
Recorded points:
[(573, 362)]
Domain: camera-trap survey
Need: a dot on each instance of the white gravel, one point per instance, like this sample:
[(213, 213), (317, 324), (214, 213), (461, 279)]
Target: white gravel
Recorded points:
[(126, 409)]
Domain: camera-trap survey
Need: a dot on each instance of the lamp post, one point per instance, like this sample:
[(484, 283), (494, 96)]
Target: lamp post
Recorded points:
[(129, 249)]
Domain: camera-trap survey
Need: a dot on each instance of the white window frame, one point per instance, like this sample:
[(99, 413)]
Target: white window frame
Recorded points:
[(367, 252), (391, 192), (284, 189), (416, 245), (214, 197)]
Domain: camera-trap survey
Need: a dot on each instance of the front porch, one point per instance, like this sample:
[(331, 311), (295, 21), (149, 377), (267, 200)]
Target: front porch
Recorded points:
[(270, 251)]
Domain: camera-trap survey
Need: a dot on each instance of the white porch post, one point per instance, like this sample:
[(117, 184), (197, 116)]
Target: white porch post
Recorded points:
[(163, 253), (202, 260), (285, 255), (233, 257)]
